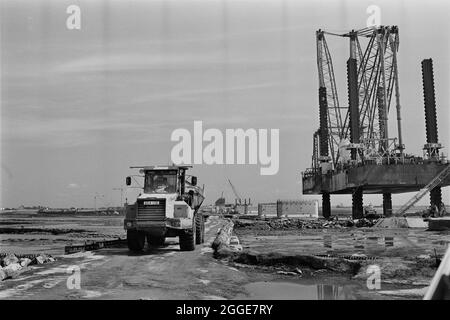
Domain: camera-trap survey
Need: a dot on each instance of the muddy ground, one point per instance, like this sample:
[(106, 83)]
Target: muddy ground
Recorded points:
[(267, 236), (167, 273), (36, 233), (407, 256)]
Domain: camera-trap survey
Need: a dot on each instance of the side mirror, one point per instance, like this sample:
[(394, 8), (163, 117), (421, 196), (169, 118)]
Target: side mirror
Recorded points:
[(128, 181), (194, 181)]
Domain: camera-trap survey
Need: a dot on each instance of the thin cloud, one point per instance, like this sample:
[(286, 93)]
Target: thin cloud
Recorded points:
[(204, 91), (122, 62)]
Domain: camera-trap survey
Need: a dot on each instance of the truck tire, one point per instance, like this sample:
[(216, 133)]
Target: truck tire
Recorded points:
[(187, 239), (199, 229), (135, 240), (203, 229), (156, 241)]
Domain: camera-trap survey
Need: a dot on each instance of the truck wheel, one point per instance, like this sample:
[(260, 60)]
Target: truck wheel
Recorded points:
[(135, 240), (199, 229), (156, 241), (187, 239)]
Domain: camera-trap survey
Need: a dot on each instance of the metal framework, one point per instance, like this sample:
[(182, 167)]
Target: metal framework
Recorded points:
[(328, 81), (375, 50), (353, 149)]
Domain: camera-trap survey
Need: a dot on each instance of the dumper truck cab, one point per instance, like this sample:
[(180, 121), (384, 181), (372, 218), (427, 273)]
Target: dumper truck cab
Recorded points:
[(168, 206)]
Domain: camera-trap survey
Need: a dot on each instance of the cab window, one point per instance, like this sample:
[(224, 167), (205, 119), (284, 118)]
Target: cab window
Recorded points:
[(161, 181)]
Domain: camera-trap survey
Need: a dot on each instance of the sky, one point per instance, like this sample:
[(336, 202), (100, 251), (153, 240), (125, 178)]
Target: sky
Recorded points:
[(79, 107)]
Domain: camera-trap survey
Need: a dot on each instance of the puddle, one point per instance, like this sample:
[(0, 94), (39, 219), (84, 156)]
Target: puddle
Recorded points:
[(205, 282), (88, 294), (53, 270), (52, 283), (20, 289), (369, 242), (206, 250), (294, 291), (214, 298), (384, 243)]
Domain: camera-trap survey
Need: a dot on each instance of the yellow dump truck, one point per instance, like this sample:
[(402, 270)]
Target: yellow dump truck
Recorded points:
[(167, 207)]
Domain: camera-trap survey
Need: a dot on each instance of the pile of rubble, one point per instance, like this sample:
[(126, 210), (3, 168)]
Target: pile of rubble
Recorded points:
[(291, 224), (11, 265)]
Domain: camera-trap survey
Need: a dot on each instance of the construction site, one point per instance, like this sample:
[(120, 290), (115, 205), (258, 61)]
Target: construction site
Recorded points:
[(201, 231)]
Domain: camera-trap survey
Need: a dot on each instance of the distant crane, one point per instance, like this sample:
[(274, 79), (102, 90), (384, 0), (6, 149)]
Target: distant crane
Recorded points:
[(95, 200), (121, 195), (238, 197)]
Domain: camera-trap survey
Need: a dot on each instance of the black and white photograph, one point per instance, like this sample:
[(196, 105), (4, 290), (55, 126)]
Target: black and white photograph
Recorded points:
[(225, 155)]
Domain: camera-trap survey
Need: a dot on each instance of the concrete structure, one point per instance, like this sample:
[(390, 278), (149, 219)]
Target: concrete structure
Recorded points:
[(290, 209), (267, 209), (298, 208)]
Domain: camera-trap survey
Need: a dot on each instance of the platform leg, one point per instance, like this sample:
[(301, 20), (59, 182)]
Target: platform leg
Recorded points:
[(387, 204), (436, 197), (357, 204), (326, 205)]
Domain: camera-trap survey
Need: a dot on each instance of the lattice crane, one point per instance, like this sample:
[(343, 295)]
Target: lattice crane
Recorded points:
[(373, 72)]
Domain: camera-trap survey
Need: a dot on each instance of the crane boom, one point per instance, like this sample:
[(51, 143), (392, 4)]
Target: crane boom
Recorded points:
[(235, 192), (376, 82)]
